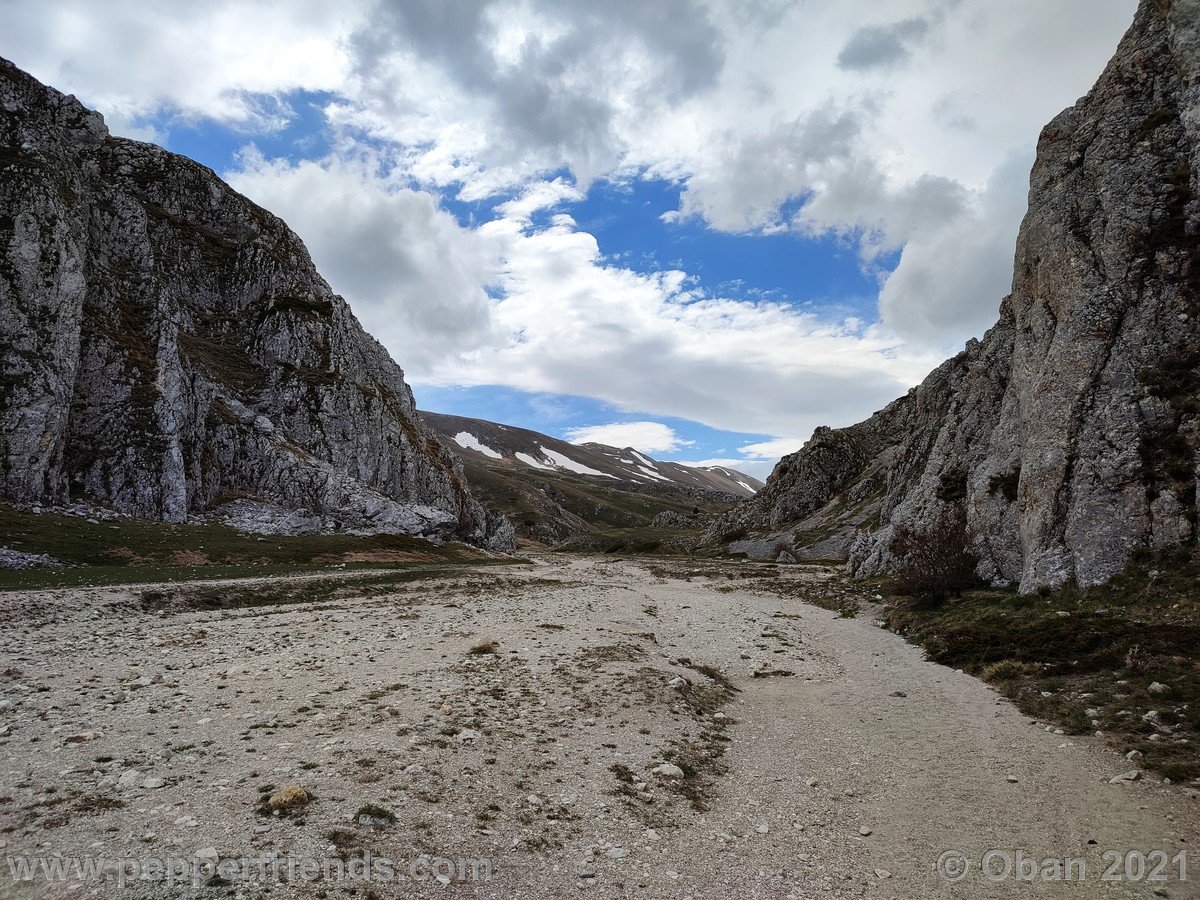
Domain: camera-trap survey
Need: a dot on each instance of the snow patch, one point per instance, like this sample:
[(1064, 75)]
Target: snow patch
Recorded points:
[(565, 462), (468, 441), (653, 474), (530, 461)]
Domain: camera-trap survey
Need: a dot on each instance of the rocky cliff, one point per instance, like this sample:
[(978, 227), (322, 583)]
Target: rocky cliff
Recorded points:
[(1069, 435), (168, 349)]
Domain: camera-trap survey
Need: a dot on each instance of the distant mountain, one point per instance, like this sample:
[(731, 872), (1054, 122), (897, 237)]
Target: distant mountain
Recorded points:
[(510, 446), (592, 495)]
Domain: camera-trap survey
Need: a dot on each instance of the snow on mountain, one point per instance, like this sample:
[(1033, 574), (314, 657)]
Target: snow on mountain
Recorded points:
[(504, 446), (468, 441)]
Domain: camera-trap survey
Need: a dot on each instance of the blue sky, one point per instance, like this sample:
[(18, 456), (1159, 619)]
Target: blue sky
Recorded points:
[(725, 223)]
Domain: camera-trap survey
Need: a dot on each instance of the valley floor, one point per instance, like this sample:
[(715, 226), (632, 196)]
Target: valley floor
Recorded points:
[(513, 718)]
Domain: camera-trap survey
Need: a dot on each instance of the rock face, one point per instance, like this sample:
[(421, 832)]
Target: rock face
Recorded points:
[(169, 349), (1069, 435)]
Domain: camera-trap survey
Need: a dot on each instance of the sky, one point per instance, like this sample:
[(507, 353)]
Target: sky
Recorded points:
[(696, 227)]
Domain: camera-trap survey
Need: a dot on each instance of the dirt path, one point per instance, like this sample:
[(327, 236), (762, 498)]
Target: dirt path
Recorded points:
[(137, 733)]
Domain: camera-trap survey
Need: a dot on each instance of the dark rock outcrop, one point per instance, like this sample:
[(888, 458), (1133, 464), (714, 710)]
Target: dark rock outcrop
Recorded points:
[(1070, 434), (169, 350)]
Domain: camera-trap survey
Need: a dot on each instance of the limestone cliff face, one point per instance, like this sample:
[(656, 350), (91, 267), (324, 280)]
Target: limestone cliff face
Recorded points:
[(168, 349), (1070, 433)]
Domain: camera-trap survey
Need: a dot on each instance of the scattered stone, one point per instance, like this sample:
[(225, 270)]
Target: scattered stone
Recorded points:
[(85, 736), (1126, 777)]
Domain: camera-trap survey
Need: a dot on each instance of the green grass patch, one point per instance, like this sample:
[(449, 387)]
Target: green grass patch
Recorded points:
[(132, 551)]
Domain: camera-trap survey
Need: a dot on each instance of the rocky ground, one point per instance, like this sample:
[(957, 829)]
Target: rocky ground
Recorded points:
[(590, 726)]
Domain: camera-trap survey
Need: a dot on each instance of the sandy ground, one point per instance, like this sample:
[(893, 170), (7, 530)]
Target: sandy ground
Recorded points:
[(139, 736)]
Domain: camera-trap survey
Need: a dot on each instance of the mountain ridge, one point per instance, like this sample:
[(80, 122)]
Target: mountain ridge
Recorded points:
[(170, 351), (524, 446), (1068, 437), (586, 496)]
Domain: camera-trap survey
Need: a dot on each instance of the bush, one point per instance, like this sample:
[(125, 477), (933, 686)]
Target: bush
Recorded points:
[(936, 563)]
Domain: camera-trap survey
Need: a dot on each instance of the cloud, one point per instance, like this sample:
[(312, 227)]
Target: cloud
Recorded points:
[(543, 85), (648, 437), (581, 324), (882, 46), (951, 281), (772, 449), (227, 60)]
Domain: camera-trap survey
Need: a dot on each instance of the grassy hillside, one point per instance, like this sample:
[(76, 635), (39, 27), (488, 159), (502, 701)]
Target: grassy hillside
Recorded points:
[(123, 550), (553, 507)]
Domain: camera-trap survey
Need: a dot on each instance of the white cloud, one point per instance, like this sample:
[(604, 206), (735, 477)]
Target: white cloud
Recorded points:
[(772, 449), (648, 437), (228, 60)]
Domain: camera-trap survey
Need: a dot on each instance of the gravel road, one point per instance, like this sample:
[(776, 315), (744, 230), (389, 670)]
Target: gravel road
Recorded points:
[(576, 726)]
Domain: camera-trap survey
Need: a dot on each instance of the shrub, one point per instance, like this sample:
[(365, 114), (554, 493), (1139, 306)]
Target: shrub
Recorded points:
[(935, 563)]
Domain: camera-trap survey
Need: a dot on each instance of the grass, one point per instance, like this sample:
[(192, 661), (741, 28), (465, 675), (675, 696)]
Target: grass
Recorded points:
[(131, 551), (592, 514), (362, 584), (1085, 659)]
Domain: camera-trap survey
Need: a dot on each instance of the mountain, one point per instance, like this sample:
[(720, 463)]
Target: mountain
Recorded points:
[(169, 350), (505, 445), (590, 494), (1068, 437)]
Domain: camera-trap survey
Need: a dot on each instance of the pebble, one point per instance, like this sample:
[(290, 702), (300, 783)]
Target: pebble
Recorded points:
[(864, 831), (1126, 777)]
